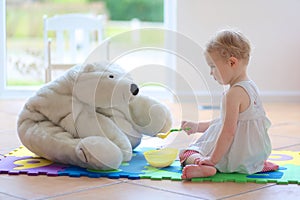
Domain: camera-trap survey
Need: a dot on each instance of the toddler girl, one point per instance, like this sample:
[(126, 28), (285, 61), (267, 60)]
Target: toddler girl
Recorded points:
[(238, 140)]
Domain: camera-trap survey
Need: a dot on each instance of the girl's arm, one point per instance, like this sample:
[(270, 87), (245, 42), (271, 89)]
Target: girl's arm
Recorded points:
[(194, 127), (203, 126), (234, 100)]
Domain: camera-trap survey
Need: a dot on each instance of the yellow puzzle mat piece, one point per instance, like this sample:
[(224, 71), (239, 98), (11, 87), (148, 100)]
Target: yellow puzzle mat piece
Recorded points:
[(285, 157), (20, 152)]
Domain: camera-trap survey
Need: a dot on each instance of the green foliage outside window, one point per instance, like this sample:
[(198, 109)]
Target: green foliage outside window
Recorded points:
[(145, 10)]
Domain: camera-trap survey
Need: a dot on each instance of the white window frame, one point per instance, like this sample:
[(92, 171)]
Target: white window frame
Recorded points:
[(8, 92), (2, 46), (170, 23)]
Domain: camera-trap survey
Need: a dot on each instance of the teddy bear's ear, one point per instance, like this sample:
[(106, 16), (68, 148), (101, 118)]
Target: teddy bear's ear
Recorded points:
[(88, 68)]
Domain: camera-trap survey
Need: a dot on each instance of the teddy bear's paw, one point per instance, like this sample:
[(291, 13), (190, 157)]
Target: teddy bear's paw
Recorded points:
[(127, 155), (99, 153)]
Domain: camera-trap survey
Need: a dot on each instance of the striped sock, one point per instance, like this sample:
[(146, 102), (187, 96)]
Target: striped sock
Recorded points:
[(268, 166), (187, 156)]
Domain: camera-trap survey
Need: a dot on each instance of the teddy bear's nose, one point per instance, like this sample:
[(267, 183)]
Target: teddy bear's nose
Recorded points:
[(134, 89)]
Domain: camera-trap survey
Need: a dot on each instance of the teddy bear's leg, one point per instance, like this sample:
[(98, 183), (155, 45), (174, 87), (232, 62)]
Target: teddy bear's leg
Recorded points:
[(88, 125), (126, 127), (99, 153), (54, 143), (49, 141)]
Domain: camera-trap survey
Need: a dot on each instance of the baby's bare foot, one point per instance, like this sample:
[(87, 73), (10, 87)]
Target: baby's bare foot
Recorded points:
[(197, 171)]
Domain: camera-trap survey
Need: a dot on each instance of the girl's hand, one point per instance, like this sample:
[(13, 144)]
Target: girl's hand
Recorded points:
[(194, 127), (189, 127)]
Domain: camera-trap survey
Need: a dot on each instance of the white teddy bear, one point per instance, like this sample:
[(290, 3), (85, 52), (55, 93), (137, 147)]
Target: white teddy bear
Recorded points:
[(92, 116)]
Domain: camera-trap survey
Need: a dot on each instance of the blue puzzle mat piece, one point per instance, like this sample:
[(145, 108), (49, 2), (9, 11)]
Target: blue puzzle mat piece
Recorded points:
[(74, 171), (135, 169)]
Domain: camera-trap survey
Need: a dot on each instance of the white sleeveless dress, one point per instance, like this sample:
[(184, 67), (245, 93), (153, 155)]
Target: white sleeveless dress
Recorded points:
[(251, 145)]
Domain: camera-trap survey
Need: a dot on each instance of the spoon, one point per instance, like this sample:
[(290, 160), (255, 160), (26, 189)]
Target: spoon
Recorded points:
[(164, 135)]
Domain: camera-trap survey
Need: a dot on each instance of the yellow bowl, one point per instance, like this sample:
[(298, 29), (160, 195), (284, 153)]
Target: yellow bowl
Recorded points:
[(162, 157)]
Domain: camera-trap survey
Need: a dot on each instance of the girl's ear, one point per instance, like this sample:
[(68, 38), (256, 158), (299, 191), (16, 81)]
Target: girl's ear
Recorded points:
[(233, 61)]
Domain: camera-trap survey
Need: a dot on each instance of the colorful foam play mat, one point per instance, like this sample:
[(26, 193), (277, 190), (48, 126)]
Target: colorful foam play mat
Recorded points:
[(22, 161)]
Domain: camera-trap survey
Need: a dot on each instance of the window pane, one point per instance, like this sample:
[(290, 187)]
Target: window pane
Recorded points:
[(24, 22)]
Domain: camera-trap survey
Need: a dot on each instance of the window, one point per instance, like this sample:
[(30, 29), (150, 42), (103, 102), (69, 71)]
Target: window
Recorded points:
[(21, 55)]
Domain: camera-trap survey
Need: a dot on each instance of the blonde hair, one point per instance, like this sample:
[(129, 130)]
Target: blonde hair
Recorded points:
[(230, 43)]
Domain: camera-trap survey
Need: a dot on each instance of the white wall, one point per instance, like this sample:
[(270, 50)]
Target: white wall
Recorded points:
[(273, 28)]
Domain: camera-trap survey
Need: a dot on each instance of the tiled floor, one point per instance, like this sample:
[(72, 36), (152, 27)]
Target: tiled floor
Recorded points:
[(285, 135)]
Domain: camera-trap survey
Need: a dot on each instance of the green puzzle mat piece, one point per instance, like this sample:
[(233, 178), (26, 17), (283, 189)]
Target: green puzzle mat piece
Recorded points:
[(161, 174), (288, 174)]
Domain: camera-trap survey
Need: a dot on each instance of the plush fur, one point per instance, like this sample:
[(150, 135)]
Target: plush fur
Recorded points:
[(92, 116)]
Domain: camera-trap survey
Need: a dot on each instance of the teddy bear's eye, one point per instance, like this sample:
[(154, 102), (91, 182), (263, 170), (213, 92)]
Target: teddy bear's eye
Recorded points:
[(111, 76)]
